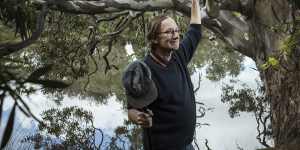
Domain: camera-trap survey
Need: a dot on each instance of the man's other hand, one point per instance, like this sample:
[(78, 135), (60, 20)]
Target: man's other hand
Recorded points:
[(141, 118)]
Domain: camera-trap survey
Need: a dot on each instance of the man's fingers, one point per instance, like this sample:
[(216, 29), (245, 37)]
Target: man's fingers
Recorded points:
[(150, 112), (145, 125), (144, 119), (144, 115), (143, 122)]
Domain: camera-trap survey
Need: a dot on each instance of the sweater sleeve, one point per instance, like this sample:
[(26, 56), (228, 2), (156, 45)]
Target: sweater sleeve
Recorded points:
[(189, 43)]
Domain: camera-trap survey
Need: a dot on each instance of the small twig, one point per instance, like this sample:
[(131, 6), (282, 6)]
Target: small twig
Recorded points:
[(202, 124), (108, 67), (239, 147), (195, 142), (91, 73), (124, 25), (113, 17), (199, 82), (206, 145)]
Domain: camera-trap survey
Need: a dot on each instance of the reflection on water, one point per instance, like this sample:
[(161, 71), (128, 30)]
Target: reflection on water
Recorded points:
[(223, 133)]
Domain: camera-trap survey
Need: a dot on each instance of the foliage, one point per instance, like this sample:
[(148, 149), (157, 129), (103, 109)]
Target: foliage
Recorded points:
[(6, 33), (289, 51), (290, 43), (69, 128), (63, 44), (218, 60), (73, 128), (128, 132), (17, 80), (271, 62), (18, 14), (242, 98)]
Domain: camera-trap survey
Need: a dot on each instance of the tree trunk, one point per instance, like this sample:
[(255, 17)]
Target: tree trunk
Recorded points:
[(282, 78), (283, 90)]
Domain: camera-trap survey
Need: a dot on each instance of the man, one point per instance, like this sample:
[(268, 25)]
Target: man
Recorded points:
[(172, 125)]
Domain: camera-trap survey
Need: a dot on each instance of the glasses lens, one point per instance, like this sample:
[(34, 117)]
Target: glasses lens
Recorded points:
[(171, 31)]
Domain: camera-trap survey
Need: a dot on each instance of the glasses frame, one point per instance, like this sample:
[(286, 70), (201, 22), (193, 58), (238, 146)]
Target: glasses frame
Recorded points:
[(171, 31)]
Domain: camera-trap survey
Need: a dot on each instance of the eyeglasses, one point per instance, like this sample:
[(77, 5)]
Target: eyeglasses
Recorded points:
[(170, 31)]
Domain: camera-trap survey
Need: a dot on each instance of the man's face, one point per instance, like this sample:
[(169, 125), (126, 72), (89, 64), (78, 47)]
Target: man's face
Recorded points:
[(168, 36)]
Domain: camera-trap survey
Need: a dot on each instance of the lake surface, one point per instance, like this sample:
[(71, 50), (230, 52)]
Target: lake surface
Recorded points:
[(223, 133)]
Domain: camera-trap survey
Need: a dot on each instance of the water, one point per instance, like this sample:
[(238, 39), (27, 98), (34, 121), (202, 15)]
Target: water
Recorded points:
[(223, 133)]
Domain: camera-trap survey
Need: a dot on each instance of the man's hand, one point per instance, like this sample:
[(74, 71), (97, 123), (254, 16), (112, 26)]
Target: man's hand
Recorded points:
[(141, 118), (195, 12)]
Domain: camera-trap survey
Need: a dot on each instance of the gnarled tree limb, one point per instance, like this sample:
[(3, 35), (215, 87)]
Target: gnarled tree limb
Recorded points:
[(230, 27), (218, 21), (106, 6)]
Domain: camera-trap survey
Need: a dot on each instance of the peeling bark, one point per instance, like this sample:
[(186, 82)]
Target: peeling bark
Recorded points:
[(106, 6), (283, 90), (270, 27)]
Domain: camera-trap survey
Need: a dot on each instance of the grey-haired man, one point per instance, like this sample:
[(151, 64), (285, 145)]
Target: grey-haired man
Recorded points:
[(172, 124)]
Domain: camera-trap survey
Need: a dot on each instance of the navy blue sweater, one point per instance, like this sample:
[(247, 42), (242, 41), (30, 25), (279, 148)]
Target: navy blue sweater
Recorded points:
[(174, 110)]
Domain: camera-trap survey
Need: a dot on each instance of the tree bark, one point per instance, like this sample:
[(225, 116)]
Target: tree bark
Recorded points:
[(283, 91), (270, 28)]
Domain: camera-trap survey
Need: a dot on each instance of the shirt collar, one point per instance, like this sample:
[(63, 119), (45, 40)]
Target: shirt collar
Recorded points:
[(158, 59)]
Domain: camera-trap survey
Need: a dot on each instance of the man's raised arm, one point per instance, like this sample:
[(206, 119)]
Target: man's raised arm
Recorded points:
[(195, 12)]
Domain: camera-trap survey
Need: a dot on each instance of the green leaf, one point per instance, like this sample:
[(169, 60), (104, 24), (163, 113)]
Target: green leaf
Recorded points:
[(273, 61), (237, 14), (265, 66), (51, 83), (39, 72), (9, 127)]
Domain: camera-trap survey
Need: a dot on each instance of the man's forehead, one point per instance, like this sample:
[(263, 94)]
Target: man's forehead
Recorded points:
[(168, 23)]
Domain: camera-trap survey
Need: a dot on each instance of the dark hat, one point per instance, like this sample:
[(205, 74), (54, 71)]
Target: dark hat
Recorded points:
[(139, 86)]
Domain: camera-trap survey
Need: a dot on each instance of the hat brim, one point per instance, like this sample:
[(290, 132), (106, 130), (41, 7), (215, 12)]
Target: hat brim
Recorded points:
[(145, 100)]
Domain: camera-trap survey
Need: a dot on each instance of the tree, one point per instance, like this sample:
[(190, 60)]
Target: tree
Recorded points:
[(266, 31), (67, 128), (246, 99)]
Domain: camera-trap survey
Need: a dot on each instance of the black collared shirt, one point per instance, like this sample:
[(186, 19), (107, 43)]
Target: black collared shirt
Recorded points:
[(174, 110)]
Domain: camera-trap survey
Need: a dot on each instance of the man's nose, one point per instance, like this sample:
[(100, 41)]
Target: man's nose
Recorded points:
[(175, 34)]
